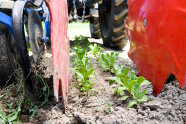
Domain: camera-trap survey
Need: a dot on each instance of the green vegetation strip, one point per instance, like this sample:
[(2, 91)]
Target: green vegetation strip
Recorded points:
[(77, 25), (127, 83)]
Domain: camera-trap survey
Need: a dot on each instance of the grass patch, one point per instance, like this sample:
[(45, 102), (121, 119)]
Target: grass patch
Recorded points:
[(78, 25)]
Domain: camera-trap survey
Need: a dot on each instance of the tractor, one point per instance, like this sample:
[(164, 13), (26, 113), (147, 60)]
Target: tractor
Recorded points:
[(105, 17)]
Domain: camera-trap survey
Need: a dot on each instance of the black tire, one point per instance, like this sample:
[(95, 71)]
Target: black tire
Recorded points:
[(8, 62), (112, 14), (95, 29), (35, 32)]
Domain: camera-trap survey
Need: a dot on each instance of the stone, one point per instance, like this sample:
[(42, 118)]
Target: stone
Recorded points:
[(153, 105), (183, 97)]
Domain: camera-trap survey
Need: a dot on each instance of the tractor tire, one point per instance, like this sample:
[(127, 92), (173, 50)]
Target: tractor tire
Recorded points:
[(35, 32), (112, 15), (8, 62), (95, 29)]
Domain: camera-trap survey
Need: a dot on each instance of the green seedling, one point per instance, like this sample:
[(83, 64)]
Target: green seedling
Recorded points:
[(82, 41), (9, 105), (94, 91), (83, 70), (107, 61), (85, 41), (95, 49), (108, 110), (83, 74), (129, 83), (80, 52), (11, 117)]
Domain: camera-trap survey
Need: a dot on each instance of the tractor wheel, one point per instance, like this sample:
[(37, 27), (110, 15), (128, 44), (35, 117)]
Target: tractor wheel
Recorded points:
[(8, 62), (112, 15), (95, 29), (35, 32)]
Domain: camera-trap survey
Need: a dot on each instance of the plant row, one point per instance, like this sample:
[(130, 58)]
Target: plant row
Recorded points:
[(127, 84)]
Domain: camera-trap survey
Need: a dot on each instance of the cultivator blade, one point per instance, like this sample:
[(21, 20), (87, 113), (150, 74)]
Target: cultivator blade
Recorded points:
[(157, 31), (60, 46)]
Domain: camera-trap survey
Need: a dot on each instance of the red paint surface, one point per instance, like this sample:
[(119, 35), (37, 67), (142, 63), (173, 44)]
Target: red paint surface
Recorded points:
[(60, 46), (159, 48)]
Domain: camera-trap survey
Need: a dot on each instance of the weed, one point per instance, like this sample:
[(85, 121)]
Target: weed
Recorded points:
[(43, 94), (17, 90), (107, 61), (130, 84), (13, 114), (108, 110), (11, 117), (94, 91)]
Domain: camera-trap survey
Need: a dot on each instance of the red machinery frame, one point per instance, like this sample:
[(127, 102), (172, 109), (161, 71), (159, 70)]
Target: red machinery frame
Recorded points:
[(157, 32), (60, 46)]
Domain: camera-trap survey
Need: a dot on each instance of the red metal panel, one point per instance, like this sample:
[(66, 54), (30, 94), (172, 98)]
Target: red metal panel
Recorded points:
[(157, 31), (60, 46)]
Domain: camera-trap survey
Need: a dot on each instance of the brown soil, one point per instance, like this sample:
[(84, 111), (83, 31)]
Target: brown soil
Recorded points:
[(169, 107)]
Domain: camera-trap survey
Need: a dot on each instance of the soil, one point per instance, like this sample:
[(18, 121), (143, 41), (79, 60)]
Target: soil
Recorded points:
[(169, 107)]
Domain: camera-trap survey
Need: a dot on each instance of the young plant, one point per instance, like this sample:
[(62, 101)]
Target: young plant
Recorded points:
[(108, 110), (83, 74), (83, 70), (129, 84), (82, 41), (107, 61), (11, 117), (95, 49)]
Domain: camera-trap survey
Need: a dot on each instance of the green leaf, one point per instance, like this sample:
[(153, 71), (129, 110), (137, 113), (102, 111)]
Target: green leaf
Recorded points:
[(125, 72), (143, 99), (132, 103), (120, 92), (14, 115), (140, 80), (80, 76), (117, 70), (124, 98), (136, 89), (131, 85), (143, 93), (115, 79), (133, 76), (145, 82), (111, 82), (90, 72)]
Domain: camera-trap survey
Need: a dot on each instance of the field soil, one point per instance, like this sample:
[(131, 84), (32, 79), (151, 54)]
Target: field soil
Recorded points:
[(169, 107)]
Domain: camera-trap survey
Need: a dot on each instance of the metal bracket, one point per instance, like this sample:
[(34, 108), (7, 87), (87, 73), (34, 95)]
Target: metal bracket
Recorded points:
[(6, 20)]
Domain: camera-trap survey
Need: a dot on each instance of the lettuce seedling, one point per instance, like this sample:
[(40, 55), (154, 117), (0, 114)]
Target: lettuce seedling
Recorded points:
[(107, 60), (129, 83), (95, 49), (83, 74)]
